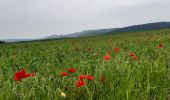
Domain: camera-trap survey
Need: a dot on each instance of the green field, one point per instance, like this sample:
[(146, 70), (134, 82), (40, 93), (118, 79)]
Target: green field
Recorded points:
[(147, 78)]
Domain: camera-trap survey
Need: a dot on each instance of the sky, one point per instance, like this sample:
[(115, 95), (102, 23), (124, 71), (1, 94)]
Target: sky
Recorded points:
[(31, 19)]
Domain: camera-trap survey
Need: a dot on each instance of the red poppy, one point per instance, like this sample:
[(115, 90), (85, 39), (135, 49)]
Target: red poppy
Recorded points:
[(135, 57), (22, 74), (106, 57), (81, 77), (71, 70), (116, 50), (64, 74), (89, 77), (159, 46), (131, 54), (80, 83)]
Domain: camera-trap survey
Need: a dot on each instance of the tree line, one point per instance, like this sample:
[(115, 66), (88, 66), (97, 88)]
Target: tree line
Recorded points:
[(2, 42)]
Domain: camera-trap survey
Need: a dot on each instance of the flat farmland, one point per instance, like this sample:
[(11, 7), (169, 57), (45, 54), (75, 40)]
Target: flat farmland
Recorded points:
[(130, 66)]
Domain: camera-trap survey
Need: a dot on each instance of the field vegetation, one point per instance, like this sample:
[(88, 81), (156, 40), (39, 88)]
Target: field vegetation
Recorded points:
[(122, 66)]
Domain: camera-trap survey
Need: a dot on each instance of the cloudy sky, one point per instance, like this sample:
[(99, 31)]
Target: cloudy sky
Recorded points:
[(39, 18)]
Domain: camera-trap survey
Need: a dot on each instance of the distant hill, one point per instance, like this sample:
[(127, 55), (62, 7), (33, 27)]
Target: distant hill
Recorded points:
[(134, 28), (142, 27), (2, 42), (17, 40), (82, 33)]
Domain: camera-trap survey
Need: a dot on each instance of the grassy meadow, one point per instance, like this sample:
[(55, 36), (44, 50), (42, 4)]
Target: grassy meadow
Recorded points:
[(119, 78)]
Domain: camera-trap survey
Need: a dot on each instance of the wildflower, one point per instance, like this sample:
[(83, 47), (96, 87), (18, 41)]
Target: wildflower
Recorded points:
[(159, 46), (63, 94), (89, 77), (22, 74), (131, 54), (64, 74), (116, 50), (106, 57), (81, 77), (135, 57), (71, 70), (80, 83)]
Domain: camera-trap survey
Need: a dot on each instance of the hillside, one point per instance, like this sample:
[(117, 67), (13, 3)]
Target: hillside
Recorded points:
[(143, 27), (134, 28)]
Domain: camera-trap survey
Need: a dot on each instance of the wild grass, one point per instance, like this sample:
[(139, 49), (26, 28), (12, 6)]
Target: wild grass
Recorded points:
[(147, 78)]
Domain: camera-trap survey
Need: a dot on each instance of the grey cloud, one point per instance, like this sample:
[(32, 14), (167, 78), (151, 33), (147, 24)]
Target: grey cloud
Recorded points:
[(39, 18)]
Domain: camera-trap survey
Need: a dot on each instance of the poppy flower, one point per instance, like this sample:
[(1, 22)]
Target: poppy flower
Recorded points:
[(22, 74), (63, 74), (131, 54), (71, 70), (159, 46), (80, 83), (116, 50), (135, 57), (81, 77), (106, 57), (89, 77)]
